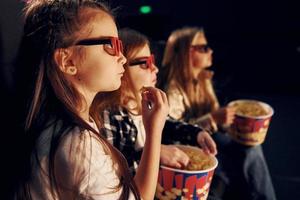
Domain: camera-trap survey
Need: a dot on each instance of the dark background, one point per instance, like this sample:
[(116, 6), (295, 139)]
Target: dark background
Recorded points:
[(255, 42), (256, 55)]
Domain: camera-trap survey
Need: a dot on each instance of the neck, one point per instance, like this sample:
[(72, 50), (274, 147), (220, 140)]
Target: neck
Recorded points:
[(86, 103), (196, 72), (134, 104), (85, 115)]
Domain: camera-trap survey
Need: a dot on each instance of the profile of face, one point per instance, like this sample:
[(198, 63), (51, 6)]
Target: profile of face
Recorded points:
[(142, 70), (101, 66), (200, 52)]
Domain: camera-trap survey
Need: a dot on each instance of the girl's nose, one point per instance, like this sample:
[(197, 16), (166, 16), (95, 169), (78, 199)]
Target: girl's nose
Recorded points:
[(122, 58), (154, 68)]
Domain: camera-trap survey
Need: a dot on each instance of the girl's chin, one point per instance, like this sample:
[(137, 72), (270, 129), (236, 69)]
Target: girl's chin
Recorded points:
[(117, 86), (113, 88), (152, 84), (207, 66)]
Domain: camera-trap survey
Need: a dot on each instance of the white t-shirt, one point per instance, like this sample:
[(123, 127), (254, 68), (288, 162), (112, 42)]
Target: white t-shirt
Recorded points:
[(141, 135), (92, 174)]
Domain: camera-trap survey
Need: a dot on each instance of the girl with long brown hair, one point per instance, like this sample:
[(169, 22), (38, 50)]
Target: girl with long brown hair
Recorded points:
[(73, 48), (123, 121), (188, 81), (242, 172)]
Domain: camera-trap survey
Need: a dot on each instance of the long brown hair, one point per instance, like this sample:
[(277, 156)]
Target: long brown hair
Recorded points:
[(176, 70), (51, 25), (133, 42)]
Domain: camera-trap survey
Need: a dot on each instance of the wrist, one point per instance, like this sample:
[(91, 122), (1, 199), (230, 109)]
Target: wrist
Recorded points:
[(154, 135)]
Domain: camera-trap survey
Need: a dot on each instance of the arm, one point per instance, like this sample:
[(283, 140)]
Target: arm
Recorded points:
[(216, 120), (175, 130), (154, 119), (181, 131), (185, 133), (207, 122), (224, 116)]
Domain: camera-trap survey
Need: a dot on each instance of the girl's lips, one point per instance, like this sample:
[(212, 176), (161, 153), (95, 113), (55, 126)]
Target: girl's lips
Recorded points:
[(121, 74)]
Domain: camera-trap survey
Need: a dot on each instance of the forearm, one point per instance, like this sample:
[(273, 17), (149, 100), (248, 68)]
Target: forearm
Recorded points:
[(175, 130), (206, 122), (147, 172)]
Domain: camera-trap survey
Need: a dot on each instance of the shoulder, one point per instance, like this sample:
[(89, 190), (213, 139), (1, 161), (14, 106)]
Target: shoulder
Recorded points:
[(174, 91), (78, 139), (173, 87), (79, 149), (176, 94), (82, 153)]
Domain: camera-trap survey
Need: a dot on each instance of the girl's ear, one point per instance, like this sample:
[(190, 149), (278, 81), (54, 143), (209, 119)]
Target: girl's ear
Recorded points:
[(63, 58)]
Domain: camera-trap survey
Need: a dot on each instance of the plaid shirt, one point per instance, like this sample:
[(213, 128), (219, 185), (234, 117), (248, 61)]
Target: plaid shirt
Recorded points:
[(121, 132)]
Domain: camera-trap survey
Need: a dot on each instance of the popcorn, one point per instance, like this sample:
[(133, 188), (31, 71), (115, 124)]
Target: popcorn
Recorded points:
[(183, 184)]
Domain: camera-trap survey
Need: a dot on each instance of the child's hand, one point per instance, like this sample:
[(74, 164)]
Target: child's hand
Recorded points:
[(155, 109), (224, 116), (206, 143), (171, 156)]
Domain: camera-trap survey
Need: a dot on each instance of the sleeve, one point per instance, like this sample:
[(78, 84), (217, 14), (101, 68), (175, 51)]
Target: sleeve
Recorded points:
[(180, 131), (87, 168), (122, 134)]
